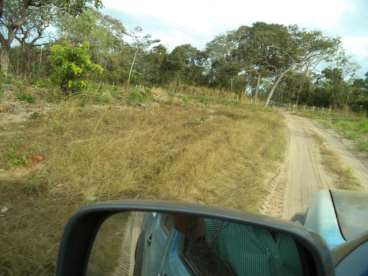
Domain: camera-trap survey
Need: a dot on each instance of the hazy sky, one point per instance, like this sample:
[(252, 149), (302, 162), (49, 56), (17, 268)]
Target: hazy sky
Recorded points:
[(199, 21)]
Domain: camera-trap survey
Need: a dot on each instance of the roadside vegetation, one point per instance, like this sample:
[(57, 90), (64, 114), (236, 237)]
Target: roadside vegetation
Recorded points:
[(344, 178), (352, 126)]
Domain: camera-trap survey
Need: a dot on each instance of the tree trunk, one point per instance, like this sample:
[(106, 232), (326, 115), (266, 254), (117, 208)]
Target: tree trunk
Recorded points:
[(257, 88), (132, 66), (4, 60), (298, 93), (274, 87)]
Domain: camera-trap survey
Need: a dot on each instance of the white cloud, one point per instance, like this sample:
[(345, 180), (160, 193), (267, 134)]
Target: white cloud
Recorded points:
[(198, 21), (202, 16), (358, 45)]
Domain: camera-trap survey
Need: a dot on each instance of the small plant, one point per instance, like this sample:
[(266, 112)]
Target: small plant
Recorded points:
[(13, 159), (139, 95), (71, 66), (115, 92), (24, 96), (103, 97), (34, 115), (43, 83)]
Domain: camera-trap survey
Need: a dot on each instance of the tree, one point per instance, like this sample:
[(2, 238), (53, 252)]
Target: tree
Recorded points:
[(141, 43), (268, 51), (185, 64), (296, 88), (359, 97), (20, 18), (155, 72), (304, 50), (224, 66), (103, 33), (71, 66)]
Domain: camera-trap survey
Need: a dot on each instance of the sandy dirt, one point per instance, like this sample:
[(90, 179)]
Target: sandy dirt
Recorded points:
[(128, 248), (302, 173)]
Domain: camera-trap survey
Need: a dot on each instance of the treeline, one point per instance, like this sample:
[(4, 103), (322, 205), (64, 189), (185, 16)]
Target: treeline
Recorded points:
[(273, 62)]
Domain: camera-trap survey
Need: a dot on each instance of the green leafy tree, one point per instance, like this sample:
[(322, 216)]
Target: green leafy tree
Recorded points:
[(155, 72), (25, 20), (185, 64), (71, 66), (105, 36), (140, 46), (359, 99), (103, 33), (268, 51), (224, 65)]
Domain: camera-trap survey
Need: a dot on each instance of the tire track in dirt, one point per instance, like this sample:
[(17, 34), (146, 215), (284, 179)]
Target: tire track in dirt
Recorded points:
[(302, 173)]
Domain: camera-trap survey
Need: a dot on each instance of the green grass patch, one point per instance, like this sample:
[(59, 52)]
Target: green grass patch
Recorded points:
[(25, 96), (14, 159), (139, 95), (350, 126)]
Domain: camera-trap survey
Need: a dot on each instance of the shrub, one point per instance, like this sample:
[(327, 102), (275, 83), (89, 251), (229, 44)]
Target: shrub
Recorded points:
[(34, 115), (71, 66), (139, 95)]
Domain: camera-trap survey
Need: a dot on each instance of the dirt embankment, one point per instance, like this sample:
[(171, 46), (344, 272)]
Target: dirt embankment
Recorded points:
[(305, 171)]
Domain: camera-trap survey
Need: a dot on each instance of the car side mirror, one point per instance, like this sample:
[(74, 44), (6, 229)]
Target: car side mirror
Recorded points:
[(165, 238)]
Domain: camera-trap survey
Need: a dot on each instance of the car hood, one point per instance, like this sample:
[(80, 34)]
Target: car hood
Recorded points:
[(352, 212)]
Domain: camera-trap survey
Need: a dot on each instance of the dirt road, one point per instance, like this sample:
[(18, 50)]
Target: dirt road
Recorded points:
[(303, 174)]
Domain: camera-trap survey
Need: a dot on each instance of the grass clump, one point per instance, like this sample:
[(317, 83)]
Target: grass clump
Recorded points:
[(13, 158), (139, 95), (343, 177), (15, 153), (25, 96)]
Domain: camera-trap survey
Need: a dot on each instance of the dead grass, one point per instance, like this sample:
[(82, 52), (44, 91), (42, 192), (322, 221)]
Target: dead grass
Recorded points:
[(213, 154), (344, 177)]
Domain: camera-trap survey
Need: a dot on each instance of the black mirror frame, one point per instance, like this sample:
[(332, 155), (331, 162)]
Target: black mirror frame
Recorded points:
[(81, 230)]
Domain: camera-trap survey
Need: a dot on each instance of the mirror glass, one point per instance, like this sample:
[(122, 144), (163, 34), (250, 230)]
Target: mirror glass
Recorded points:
[(165, 244)]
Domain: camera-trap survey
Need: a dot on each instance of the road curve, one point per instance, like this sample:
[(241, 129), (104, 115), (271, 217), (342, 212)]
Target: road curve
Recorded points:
[(302, 173)]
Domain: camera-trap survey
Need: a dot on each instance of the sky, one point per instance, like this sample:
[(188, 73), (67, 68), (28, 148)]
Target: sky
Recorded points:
[(199, 21)]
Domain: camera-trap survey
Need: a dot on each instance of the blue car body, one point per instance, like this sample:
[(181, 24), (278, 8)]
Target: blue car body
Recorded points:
[(336, 216), (163, 255)]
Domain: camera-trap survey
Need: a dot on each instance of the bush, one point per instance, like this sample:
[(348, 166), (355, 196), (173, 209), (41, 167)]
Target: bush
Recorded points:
[(34, 115), (71, 66), (139, 95)]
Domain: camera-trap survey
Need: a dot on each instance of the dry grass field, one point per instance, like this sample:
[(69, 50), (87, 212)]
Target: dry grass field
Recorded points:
[(188, 148)]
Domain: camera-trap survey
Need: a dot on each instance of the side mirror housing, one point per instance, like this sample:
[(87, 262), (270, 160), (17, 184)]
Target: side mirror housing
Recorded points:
[(230, 240)]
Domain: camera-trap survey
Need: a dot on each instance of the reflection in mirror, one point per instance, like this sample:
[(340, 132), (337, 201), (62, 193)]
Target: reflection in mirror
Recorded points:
[(153, 243)]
